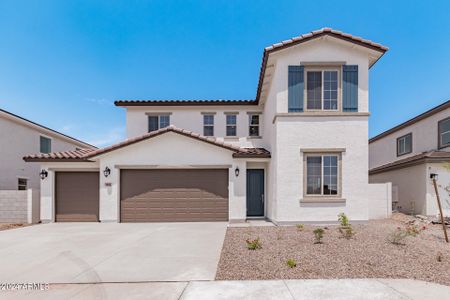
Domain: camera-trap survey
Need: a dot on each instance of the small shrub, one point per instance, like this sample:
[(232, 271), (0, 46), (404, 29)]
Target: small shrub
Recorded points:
[(253, 244), (291, 263), (300, 226), (412, 230), (318, 234), (347, 232), (343, 219)]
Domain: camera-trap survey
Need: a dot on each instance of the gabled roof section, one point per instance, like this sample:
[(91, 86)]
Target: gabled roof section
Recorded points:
[(430, 156), (416, 119), (87, 154), (26, 122), (160, 102), (275, 47), (310, 36)]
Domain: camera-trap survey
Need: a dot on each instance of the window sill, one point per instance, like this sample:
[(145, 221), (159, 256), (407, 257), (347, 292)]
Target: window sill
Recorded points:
[(254, 137), (322, 200)]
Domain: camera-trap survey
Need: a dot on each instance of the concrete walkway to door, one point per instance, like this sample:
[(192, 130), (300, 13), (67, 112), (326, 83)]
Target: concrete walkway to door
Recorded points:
[(111, 252)]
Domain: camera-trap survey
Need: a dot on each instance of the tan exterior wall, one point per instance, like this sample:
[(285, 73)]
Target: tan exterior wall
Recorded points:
[(18, 140), (424, 137)]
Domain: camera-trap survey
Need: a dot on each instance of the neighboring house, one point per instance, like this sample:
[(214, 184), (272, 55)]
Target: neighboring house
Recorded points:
[(19, 137), (296, 153), (407, 154)]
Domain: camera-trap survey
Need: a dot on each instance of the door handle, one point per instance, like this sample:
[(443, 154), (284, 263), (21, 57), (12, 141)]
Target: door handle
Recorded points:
[(262, 198)]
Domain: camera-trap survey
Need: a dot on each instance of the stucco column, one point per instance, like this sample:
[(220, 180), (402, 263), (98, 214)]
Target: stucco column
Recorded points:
[(47, 199), (109, 194), (238, 191)]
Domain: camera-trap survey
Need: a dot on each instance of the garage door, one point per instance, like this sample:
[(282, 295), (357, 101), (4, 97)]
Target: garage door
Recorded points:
[(174, 195), (77, 196)]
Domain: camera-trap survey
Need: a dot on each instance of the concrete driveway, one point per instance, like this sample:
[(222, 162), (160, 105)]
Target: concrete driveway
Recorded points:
[(111, 252)]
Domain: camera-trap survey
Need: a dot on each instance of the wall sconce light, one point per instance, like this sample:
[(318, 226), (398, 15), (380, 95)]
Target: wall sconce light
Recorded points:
[(434, 176), (107, 172), (236, 171), (43, 174)]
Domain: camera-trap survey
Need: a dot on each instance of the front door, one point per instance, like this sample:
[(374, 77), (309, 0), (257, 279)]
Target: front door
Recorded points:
[(255, 192)]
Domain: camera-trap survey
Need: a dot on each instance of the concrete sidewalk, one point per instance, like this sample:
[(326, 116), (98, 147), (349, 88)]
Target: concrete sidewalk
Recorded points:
[(258, 289)]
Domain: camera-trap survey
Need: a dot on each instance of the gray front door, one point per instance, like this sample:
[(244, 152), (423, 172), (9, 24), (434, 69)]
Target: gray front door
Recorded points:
[(255, 192)]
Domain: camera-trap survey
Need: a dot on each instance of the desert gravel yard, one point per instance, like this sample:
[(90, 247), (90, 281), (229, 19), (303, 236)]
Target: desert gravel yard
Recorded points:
[(6, 226), (367, 254)]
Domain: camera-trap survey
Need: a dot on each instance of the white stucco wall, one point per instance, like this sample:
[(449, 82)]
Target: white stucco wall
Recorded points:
[(18, 140), (191, 118), (410, 184), (424, 137), (349, 133), (443, 183), (380, 200), (170, 150)]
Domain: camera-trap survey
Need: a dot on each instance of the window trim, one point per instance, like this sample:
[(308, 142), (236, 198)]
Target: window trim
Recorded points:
[(322, 196), (208, 125), (250, 115), (50, 140), (19, 185), (440, 146), (339, 87), (226, 124), (402, 137), (158, 115)]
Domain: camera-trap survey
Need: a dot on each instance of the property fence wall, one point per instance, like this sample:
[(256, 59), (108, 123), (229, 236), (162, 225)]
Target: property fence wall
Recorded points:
[(380, 200), (19, 206)]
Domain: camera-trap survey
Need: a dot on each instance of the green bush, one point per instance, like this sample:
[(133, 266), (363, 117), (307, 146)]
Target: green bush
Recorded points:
[(253, 244), (300, 226), (343, 219), (318, 234), (291, 263)]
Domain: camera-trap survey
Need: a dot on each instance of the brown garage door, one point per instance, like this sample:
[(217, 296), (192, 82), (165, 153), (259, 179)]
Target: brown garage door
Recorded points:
[(174, 195), (77, 196)]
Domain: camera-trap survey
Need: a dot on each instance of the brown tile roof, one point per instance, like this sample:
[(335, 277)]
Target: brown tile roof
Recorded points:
[(77, 155), (430, 156), (307, 37), (416, 119), (275, 47), (86, 154), (217, 102)]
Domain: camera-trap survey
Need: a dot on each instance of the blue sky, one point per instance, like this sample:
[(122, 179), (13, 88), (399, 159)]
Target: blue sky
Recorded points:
[(63, 63)]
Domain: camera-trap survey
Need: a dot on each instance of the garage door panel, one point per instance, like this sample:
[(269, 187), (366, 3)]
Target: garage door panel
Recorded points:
[(174, 195), (77, 196)]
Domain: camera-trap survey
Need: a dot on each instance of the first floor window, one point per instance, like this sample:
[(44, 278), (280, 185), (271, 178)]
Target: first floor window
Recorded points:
[(322, 174), (158, 122), (231, 125), (404, 144), (208, 125), (22, 184), (322, 90), (444, 133), (45, 144), (254, 125)]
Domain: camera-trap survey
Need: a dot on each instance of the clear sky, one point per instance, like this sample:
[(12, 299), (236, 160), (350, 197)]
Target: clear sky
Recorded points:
[(63, 63)]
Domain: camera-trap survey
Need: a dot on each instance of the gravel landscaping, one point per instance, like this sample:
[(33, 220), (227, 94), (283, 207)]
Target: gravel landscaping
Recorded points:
[(368, 254), (6, 226)]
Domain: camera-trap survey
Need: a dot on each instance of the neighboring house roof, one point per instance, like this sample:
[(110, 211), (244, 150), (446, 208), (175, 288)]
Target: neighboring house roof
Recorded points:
[(430, 156), (44, 129), (88, 154), (416, 119), (268, 50), (183, 102)]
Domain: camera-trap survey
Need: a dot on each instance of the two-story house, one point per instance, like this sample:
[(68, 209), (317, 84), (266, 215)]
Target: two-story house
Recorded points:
[(408, 154), (19, 137), (298, 152)]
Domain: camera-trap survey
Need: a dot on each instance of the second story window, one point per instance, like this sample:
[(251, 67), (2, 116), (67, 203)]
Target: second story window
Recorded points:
[(322, 90), (253, 125), (22, 184), (231, 125), (45, 145), (444, 133), (157, 122), (208, 125), (404, 144)]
